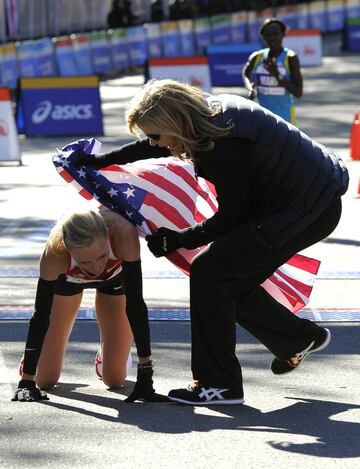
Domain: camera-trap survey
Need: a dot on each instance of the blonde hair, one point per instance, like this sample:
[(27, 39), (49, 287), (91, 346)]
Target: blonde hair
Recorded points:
[(176, 109), (78, 229)]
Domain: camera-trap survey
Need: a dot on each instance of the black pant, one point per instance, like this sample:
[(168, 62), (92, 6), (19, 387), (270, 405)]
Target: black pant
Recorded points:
[(225, 289)]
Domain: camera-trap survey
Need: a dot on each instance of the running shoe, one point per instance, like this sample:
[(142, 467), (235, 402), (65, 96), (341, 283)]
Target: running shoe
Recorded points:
[(196, 394), (280, 367)]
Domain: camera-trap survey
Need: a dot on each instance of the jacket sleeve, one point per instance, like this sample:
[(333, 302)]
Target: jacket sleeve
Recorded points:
[(229, 167), (133, 151), (136, 308)]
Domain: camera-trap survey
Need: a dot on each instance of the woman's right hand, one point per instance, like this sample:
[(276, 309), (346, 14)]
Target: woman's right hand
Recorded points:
[(95, 161)]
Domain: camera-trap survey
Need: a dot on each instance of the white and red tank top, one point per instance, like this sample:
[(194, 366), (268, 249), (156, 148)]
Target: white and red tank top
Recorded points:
[(113, 267)]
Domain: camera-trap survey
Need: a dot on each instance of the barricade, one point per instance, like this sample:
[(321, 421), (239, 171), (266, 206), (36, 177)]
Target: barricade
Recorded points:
[(9, 142)]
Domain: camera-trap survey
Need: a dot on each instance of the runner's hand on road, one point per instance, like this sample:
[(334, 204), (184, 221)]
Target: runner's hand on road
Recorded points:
[(143, 389), (28, 392)]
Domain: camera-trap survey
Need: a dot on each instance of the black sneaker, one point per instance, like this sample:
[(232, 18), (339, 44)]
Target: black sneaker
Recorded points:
[(196, 394), (279, 367)]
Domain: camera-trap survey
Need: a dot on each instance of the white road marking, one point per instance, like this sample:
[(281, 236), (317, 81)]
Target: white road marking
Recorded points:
[(5, 382)]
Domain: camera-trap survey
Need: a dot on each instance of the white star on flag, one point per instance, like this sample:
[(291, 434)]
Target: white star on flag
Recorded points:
[(81, 173), (112, 192), (129, 192)]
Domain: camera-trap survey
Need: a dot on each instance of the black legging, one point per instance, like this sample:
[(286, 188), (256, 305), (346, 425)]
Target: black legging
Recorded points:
[(225, 289)]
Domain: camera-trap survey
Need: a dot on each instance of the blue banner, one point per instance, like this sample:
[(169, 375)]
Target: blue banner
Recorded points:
[(9, 66), (238, 27), (101, 53), (335, 15), (187, 38), (36, 58), (202, 31), (317, 15), (220, 29), (82, 54), (26, 59), (45, 58), (303, 16), (170, 39), (253, 27), (153, 34), (352, 9), (289, 15), (352, 34), (60, 106), (137, 46), (227, 62), (65, 56), (119, 49)]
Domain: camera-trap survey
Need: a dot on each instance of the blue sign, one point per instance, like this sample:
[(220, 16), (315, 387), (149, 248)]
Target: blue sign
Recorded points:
[(119, 49), (9, 67), (137, 46), (101, 53), (60, 106), (352, 34), (36, 58), (227, 62)]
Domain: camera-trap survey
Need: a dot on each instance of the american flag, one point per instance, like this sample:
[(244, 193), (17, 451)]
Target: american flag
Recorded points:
[(164, 192)]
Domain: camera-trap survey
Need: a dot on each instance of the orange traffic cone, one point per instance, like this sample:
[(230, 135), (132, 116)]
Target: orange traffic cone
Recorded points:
[(355, 139)]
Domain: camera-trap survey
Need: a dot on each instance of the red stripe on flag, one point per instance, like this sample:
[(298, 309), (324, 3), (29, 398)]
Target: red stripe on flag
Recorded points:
[(167, 210), (179, 261), (175, 257), (191, 181), (86, 194), (286, 289), (300, 286), (170, 187), (305, 263), (67, 176)]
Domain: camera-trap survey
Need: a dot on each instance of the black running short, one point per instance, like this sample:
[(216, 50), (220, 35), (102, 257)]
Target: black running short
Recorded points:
[(113, 286)]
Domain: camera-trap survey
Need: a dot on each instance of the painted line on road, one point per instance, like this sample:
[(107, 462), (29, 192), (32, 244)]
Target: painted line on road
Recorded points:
[(169, 274), (15, 313), (5, 386)]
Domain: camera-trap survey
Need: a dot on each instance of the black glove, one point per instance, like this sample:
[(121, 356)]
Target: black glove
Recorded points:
[(164, 241), (143, 389), (28, 392), (95, 161)]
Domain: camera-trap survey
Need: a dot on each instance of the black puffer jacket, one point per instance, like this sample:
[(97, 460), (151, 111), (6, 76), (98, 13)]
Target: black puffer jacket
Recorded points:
[(293, 178)]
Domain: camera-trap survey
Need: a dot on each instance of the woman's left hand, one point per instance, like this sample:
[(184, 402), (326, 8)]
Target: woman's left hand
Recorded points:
[(163, 242)]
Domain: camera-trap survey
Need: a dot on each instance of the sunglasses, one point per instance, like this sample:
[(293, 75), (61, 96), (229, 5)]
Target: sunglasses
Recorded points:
[(154, 136)]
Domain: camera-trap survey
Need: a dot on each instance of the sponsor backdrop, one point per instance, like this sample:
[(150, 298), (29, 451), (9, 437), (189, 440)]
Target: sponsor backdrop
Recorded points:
[(60, 106)]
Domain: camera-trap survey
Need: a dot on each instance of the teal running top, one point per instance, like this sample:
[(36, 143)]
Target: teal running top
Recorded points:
[(270, 93)]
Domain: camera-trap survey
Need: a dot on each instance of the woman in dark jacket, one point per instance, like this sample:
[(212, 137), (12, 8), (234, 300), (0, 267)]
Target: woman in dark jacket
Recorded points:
[(278, 193)]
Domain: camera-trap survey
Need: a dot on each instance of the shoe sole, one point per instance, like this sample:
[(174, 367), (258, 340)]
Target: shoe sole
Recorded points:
[(324, 344), (224, 402), (317, 349)]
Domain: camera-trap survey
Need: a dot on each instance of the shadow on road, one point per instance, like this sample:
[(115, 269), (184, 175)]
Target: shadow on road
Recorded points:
[(305, 417)]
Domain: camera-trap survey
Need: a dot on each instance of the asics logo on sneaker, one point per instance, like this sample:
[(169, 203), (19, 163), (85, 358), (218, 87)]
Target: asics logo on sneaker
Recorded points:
[(211, 393)]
